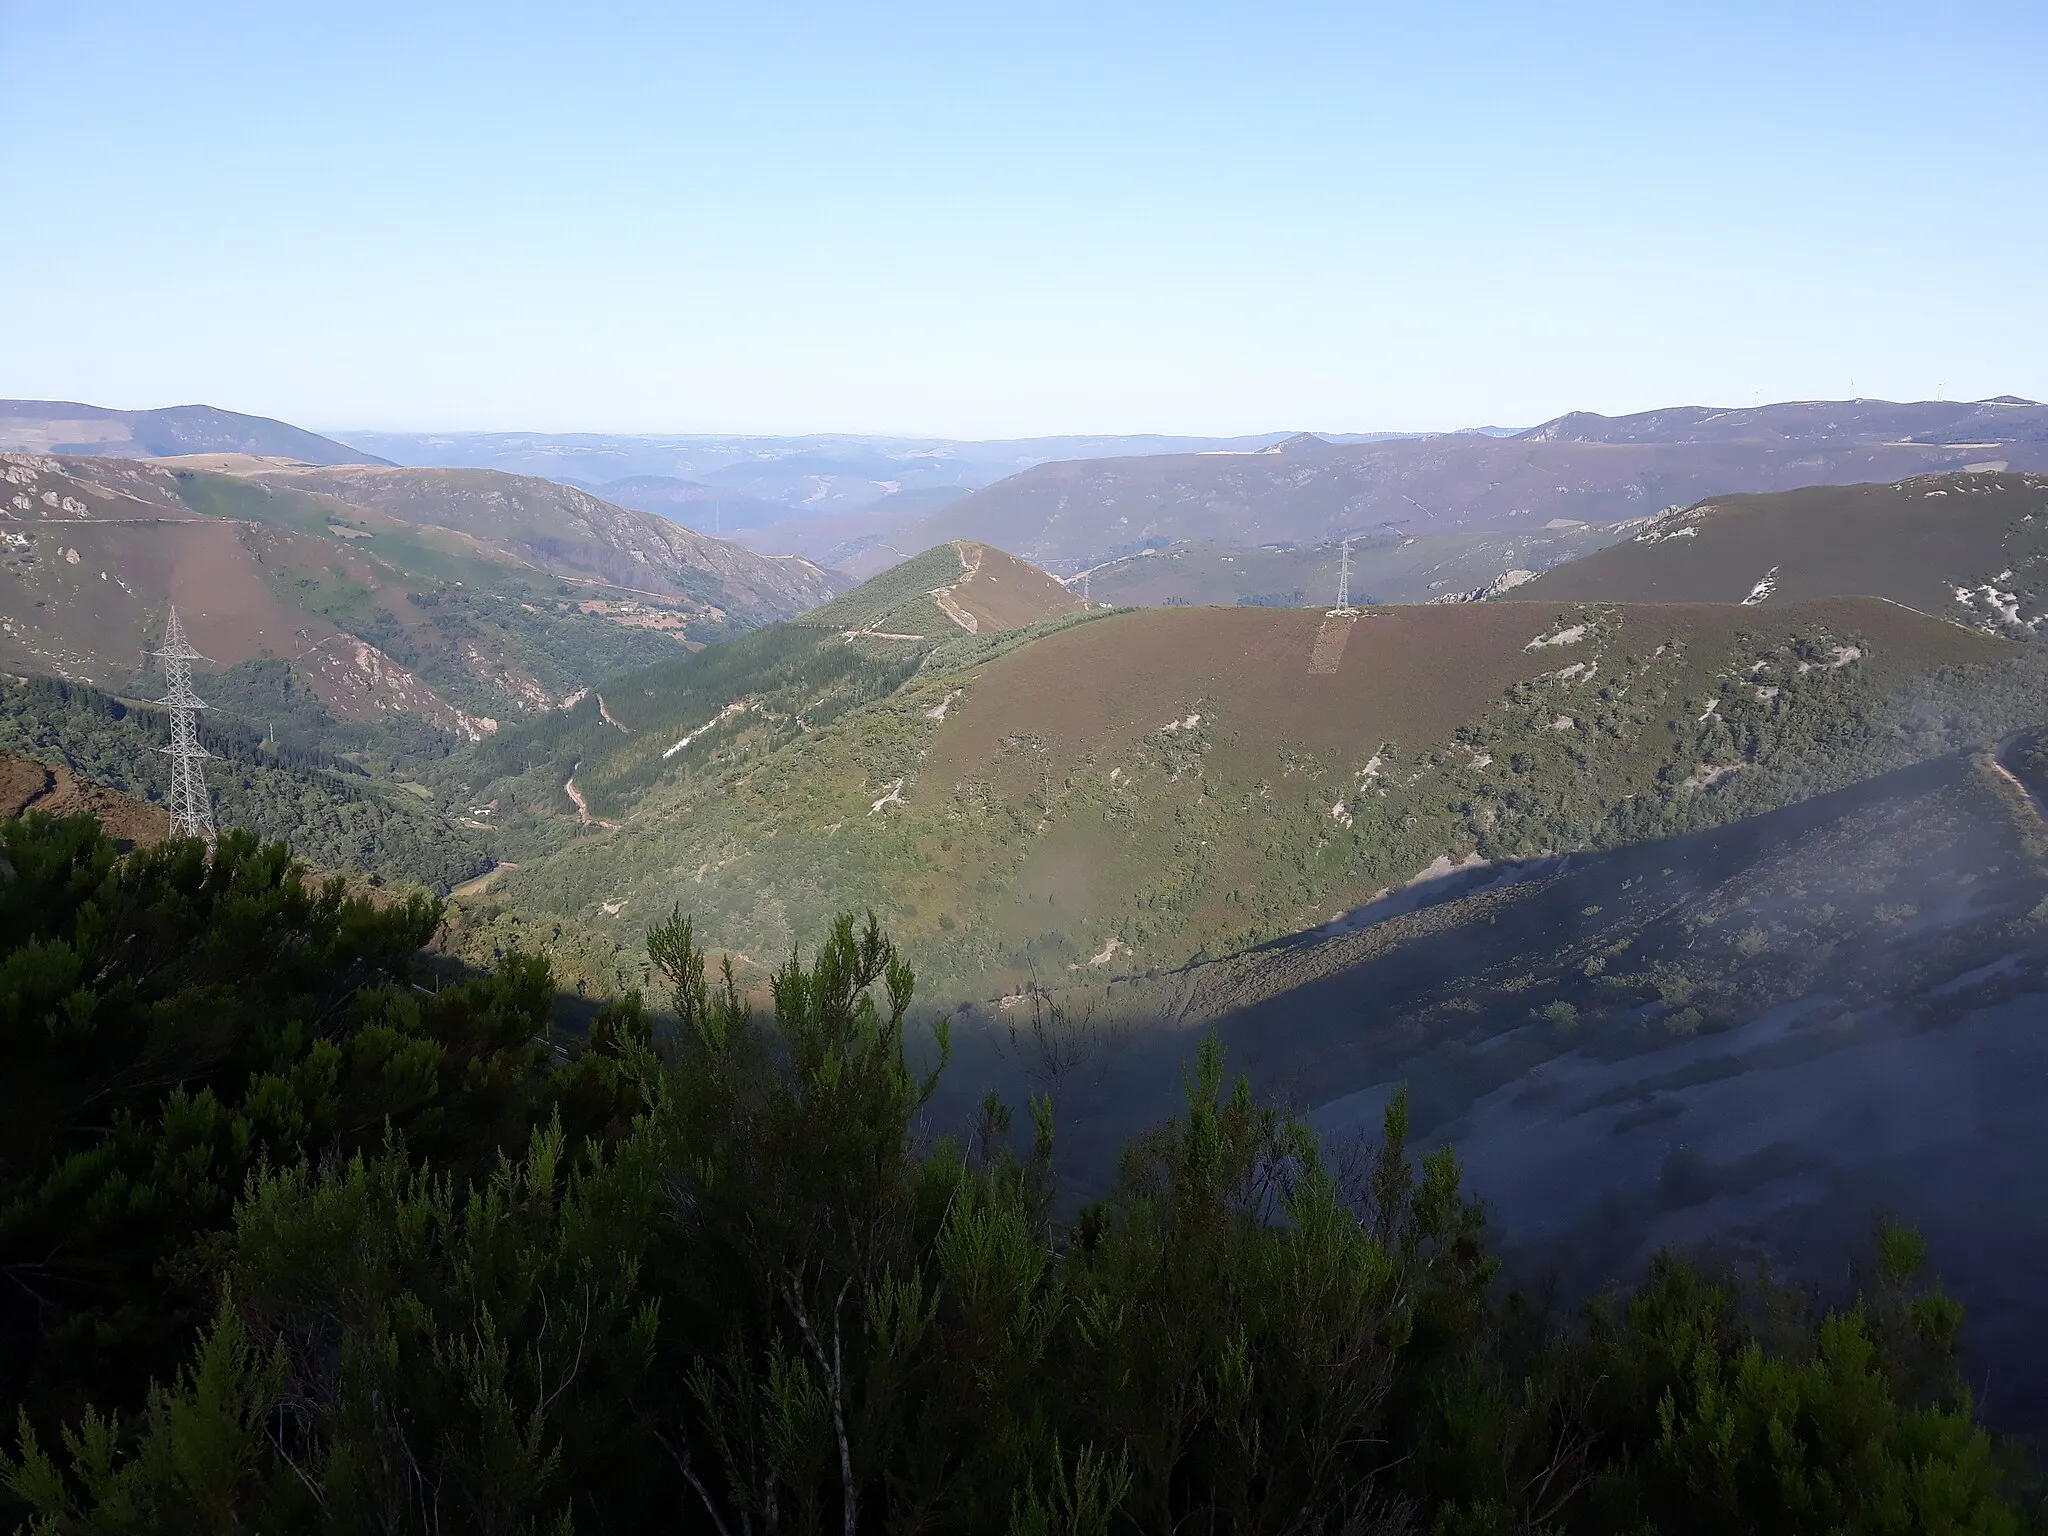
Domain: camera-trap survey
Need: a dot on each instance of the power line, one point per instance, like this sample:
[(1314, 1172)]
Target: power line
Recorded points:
[(1344, 577), (191, 801)]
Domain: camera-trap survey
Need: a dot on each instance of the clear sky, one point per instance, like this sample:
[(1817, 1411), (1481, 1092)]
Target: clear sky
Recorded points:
[(979, 220)]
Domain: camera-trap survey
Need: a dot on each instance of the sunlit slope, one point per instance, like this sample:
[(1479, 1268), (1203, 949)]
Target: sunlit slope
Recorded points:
[(1972, 547), (1128, 790), (564, 531), (959, 587), (751, 695), (380, 615)]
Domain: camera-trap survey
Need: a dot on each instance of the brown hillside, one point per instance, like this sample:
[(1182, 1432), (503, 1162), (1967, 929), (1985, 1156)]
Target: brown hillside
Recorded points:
[(27, 785), (1917, 542), (1000, 591), (1410, 675), (564, 531), (1122, 793), (93, 551)]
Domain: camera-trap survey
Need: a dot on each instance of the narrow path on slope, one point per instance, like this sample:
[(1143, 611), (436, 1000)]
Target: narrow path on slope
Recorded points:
[(583, 815), (582, 806), (943, 596), (1999, 754)]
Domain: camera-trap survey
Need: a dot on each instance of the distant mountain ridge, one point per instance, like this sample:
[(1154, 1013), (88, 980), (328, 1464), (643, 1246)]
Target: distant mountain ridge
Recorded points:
[(813, 475), (689, 501), (2002, 419), (67, 427), (1578, 468)]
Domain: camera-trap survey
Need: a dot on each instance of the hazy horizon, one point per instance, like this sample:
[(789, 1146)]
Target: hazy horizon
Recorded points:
[(917, 222)]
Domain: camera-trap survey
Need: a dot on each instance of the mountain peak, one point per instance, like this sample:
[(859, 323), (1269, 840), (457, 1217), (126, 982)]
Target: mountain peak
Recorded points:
[(1300, 442)]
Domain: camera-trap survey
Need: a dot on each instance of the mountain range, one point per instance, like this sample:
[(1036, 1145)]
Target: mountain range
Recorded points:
[(451, 597), (66, 427), (1578, 469), (1498, 501), (811, 475), (1693, 882)]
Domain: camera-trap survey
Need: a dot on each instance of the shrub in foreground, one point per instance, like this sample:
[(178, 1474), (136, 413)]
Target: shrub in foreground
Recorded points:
[(410, 1271)]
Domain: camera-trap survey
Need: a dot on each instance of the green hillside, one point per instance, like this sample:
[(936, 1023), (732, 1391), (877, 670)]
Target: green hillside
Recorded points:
[(331, 812), (899, 599), (958, 586), (754, 694), (1121, 792), (750, 695)]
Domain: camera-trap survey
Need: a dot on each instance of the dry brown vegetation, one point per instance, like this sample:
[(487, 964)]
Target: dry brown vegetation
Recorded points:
[(1914, 541)]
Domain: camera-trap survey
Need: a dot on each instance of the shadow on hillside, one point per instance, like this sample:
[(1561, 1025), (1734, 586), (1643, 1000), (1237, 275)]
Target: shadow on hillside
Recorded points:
[(1752, 1040)]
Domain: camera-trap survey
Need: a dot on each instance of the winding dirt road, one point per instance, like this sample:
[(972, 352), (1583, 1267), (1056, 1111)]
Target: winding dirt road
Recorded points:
[(583, 816)]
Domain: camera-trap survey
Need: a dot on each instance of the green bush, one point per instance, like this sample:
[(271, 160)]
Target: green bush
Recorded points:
[(416, 1265)]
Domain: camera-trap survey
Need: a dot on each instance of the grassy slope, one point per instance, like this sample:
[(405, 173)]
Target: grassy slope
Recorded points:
[(786, 679), (763, 690), (1913, 541), (994, 589), (1020, 802), (898, 600), (998, 591)]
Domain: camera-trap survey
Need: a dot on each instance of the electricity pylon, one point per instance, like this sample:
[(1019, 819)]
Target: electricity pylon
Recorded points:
[(191, 802), (1344, 577)]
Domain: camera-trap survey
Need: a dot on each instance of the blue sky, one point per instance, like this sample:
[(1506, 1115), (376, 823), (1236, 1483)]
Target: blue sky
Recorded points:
[(974, 220)]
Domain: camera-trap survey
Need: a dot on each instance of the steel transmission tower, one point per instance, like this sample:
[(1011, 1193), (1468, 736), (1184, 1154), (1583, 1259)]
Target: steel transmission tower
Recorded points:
[(191, 802), (1344, 577)]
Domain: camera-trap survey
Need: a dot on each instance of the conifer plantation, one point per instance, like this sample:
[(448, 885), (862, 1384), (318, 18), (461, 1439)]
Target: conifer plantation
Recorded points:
[(297, 1235)]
